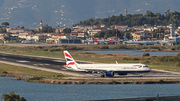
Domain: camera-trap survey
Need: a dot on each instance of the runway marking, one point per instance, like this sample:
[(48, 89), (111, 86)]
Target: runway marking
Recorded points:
[(41, 64), (59, 60), (23, 61)]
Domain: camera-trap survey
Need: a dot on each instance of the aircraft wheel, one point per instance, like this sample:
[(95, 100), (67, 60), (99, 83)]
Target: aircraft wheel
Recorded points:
[(102, 76)]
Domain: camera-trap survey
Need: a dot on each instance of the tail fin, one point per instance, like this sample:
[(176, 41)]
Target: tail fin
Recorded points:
[(87, 38), (94, 39), (125, 39), (70, 62)]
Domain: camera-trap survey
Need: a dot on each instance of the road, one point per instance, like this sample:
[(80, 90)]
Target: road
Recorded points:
[(55, 65)]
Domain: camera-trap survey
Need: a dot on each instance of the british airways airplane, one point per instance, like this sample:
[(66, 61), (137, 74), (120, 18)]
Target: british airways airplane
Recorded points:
[(104, 69)]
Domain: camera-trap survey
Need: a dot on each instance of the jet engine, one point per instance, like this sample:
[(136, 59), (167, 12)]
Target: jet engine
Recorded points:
[(110, 73)]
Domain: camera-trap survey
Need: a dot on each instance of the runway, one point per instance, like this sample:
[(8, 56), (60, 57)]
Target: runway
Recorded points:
[(55, 65)]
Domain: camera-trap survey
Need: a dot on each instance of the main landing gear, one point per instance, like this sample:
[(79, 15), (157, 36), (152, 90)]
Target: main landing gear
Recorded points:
[(103, 74)]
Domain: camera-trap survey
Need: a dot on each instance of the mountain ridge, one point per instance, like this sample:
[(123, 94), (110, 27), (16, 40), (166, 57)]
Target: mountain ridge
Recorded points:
[(67, 12)]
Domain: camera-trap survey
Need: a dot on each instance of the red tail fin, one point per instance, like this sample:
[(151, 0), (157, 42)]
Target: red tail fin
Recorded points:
[(94, 39)]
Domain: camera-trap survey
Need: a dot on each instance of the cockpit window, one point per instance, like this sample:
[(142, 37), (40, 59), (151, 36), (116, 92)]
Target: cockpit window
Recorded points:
[(145, 66)]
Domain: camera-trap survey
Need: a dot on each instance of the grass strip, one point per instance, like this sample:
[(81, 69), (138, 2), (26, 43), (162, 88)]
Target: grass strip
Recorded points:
[(29, 71)]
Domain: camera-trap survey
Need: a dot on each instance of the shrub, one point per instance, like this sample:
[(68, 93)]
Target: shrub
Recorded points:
[(178, 64), (12, 97), (161, 58), (154, 57), (104, 47), (45, 49), (4, 72), (56, 49), (178, 47), (135, 59), (146, 54), (178, 55), (173, 49), (35, 78), (146, 62), (125, 58), (161, 81)]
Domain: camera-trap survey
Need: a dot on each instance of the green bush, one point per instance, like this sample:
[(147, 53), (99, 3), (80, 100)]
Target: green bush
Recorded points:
[(146, 54), (161, 81), (125, 58), (45, 49), (35, 78), (104, 47), (12, 97), (173, 49), (135, 59), (56, 49)]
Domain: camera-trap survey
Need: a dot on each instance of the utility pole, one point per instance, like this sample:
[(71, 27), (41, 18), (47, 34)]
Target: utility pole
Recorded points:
[(143, 32), (116, 32), (91, 31), (152, 32)]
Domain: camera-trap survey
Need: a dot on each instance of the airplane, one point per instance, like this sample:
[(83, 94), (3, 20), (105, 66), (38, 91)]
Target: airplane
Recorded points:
[(105, 41), (88, 41), (167, 41), (126, 41), (104, 70), (27, 41)]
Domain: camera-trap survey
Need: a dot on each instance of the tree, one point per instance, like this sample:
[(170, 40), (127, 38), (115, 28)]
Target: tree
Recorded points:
[(2, 30), (22, 27), (100, 34), (12, 97), (47, 29), (5, 24), (67, 30), (149, 14)]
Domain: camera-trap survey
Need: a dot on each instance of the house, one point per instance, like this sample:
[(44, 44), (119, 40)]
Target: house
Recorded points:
[(36, 37), (121, 28), (138, 35), (18, 30), (96, 30), (23, 35), (138, 28), (74, 33)]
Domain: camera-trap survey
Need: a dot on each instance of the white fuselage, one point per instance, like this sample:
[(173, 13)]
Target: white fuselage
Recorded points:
[(140, 42), (117, 68)]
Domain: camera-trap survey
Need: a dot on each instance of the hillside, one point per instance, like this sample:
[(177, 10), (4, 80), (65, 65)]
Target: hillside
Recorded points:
[(28, 13)]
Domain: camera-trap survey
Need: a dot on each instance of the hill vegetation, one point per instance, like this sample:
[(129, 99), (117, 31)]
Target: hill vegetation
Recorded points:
[(28, 13), (137, 19)]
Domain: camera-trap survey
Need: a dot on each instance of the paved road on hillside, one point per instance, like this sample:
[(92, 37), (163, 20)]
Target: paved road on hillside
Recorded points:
[(56, 64)]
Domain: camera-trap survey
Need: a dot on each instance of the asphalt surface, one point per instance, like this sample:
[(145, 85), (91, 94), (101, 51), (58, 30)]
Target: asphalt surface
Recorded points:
[(55, 65)]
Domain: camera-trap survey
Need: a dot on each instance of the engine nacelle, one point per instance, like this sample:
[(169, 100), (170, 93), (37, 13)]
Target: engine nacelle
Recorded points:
[(110, 73)]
